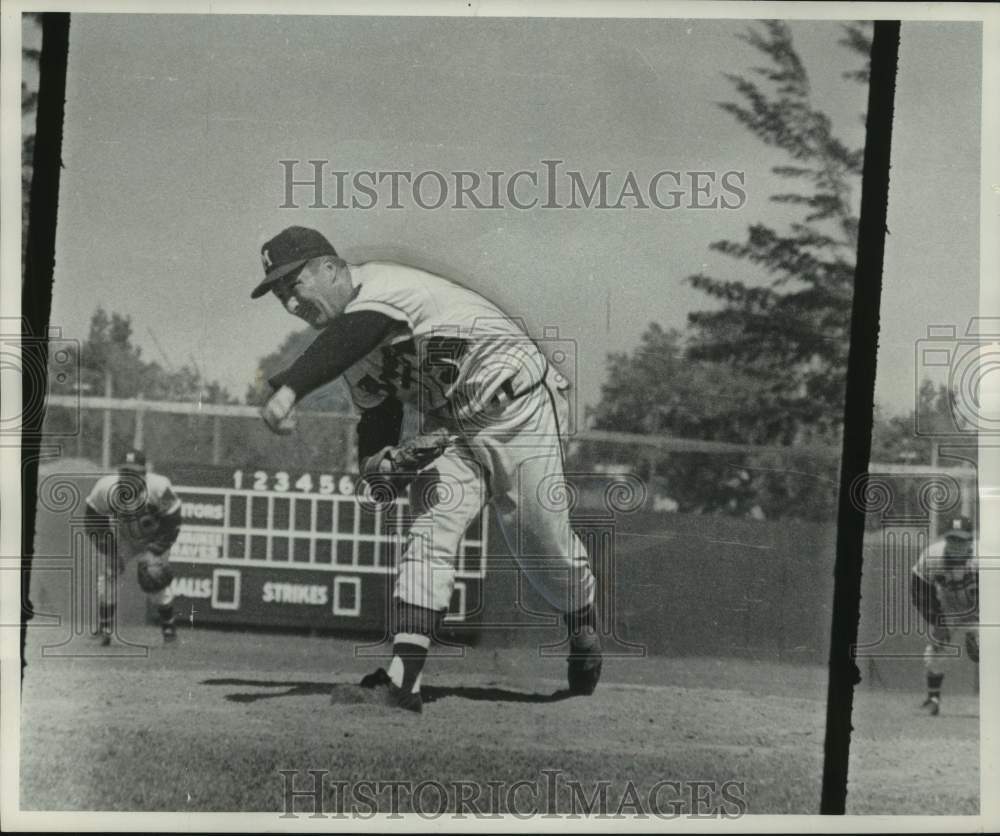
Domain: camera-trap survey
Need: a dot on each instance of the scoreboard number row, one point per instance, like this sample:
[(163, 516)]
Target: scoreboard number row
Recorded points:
[(281, 481)]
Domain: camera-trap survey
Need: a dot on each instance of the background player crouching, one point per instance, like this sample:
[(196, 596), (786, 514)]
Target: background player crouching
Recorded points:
[(944, 587), (134, 514)]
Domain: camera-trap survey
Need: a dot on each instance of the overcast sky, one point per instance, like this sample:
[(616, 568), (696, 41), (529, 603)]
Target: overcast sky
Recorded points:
[(175, 125)]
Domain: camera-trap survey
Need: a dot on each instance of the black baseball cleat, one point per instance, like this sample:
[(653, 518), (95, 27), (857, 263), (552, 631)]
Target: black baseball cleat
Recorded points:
[(933, 706), (584, 662), (388, 693), (105, 639)]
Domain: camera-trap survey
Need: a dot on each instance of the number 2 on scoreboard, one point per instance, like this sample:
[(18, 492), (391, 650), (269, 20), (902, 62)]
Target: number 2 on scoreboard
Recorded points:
[(259, 480)]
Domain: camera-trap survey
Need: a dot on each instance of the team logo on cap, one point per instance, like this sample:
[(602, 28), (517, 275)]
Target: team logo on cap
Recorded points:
[(265, 256)]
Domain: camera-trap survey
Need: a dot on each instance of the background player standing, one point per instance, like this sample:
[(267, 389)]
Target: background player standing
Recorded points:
[(134, 514), (944, 587), (491, 412)]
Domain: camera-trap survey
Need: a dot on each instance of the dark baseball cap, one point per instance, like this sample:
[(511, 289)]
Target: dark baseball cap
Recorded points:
[(960, 528), (134, 460), (288, 251)]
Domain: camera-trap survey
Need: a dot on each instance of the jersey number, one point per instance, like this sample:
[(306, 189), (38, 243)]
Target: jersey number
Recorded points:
[(439, 367)]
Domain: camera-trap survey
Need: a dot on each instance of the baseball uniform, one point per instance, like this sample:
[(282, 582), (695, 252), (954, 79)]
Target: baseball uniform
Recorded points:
[(134, 515), (403, 336), (944, 588)]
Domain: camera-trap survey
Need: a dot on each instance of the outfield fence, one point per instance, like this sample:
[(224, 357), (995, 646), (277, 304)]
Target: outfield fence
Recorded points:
[(681, 475)]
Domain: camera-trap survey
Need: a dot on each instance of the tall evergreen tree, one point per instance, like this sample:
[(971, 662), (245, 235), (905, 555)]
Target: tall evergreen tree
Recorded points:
[(791, 335)]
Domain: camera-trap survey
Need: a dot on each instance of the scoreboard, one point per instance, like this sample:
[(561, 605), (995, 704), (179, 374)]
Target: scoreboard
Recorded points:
[(277, 548)]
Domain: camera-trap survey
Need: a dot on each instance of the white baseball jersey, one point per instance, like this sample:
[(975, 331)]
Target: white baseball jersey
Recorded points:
[(955, 579), (136, 525), (451, 343)]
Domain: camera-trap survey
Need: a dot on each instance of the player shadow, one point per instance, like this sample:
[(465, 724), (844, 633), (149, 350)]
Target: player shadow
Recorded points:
[(430, 693)]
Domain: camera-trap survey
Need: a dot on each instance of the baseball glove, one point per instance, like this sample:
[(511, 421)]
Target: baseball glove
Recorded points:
[(153, 572), (414, 455), (389, 471)]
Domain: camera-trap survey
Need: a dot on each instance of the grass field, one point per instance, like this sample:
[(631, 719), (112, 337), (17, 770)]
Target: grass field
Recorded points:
[(207, 724)]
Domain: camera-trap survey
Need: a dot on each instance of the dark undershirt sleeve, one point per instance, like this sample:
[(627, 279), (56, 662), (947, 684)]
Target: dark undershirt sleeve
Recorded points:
[(338, 347)]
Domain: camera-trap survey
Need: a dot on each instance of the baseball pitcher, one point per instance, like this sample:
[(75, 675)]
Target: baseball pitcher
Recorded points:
[(136, 515), (944, 587), (491, 413)]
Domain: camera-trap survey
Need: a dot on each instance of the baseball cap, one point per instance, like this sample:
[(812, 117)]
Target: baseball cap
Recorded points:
[(960, 528), (288, 251), (134, 460)]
